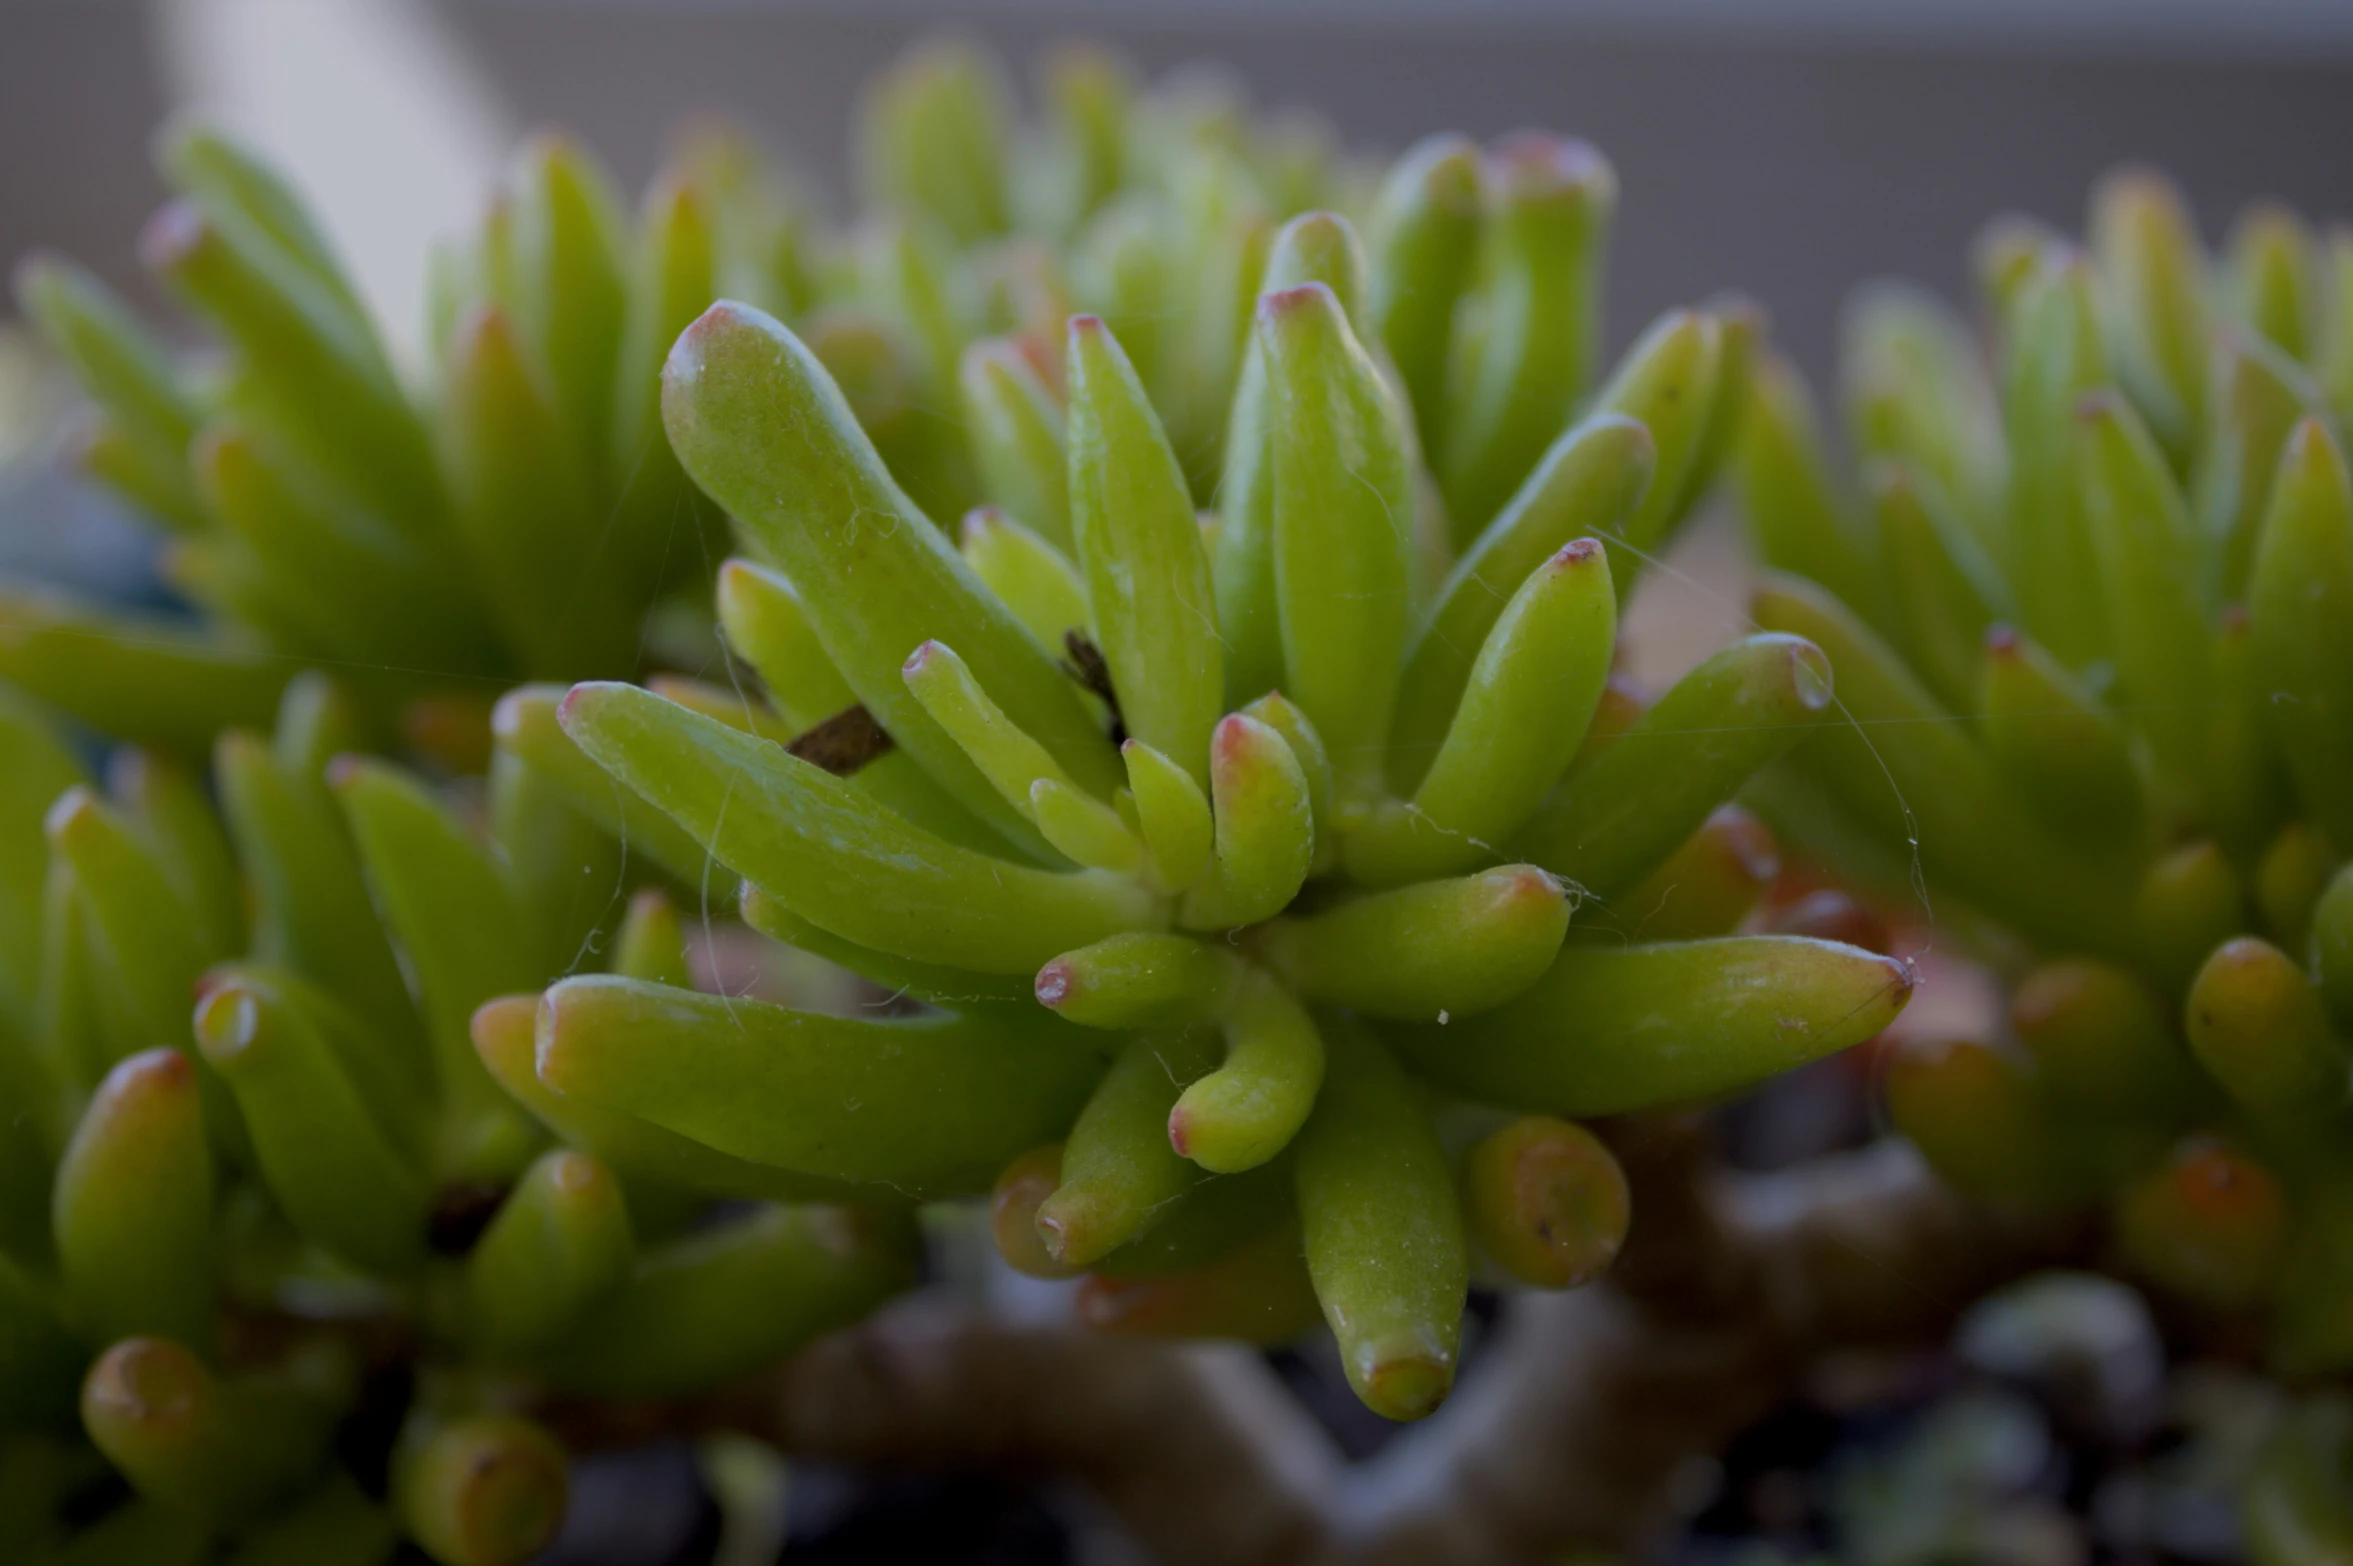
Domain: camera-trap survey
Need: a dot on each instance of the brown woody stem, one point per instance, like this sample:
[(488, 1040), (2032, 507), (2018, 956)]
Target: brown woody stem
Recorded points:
[(1571, 1432)]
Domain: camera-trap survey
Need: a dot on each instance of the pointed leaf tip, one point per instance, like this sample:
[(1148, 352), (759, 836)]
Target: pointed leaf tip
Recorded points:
[(1533, 161), (581, 704), (227, 1020), (73, 811), (685, 361), (175, 229), (1282, 303)]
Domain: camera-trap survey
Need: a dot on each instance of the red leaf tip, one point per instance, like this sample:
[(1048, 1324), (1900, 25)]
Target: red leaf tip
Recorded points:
[(1286, 301), (175, 230)]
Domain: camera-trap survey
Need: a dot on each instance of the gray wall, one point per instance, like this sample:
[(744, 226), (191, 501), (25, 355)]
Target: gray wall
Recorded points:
[(77, 101)]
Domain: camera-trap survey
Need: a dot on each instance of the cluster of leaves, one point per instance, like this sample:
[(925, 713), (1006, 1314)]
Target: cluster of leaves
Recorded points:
[(1208, 917), (219, 1227), (1218, 865), (2094, 619), (520, 518), (510, 510)]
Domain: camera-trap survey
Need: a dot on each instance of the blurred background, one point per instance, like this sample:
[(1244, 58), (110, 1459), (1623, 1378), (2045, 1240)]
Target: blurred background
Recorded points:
[(1790, 147)]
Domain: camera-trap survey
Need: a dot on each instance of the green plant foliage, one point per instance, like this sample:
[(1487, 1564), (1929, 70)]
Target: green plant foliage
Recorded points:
[(509, 507), (1202, 944), (1214, 805), (2091, 613), (257, 1138)]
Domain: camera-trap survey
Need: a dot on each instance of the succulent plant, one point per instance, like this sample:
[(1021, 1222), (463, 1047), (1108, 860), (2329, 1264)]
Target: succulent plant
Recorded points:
[(523, 517), (1204, 820), (235, 1243), (1207, 913), (2092, 625), (1152, 209), (516, 513)]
